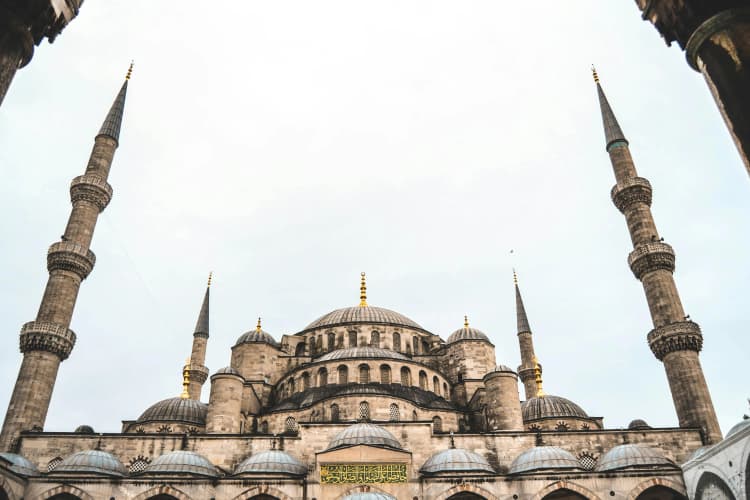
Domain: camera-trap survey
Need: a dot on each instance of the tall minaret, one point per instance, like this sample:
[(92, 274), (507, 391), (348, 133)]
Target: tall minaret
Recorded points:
[(198, 372), (675, 340), (526, 371), (49, 340)]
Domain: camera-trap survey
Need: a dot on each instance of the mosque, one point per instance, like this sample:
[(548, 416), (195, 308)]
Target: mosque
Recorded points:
[(364, 403)]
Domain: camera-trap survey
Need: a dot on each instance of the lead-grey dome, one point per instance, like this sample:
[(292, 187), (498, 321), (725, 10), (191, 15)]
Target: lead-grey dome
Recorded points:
[(182, 462), (256, 337), (364, 433), (20, 464), (467, 333), (638, 424), (370, 495), (361, 352), (176, 410), (227, 370), (91, 462), (84, 429), (631, 455), (550, 406), (544, 458), (362, 314), (272, 462), (456, 460), (745, 424)]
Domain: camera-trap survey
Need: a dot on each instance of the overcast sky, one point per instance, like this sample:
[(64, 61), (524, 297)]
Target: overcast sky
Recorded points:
[(289, 145)]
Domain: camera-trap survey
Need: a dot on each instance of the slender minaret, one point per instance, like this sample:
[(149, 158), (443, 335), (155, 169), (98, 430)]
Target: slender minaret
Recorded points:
[(675, 340), (49, 340), (198, 372), (526, 371)]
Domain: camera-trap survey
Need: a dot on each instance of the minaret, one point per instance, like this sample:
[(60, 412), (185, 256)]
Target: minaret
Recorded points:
[(526, 371), (48, 340), (675, 340), (199, 372)]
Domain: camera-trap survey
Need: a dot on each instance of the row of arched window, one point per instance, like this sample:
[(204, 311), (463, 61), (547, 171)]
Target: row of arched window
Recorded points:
[(416, 346)]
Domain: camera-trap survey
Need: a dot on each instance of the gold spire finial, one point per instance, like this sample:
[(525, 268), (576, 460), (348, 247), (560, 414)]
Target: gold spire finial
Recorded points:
[(185, 380), (538, 378), (257, 327), (130, 70), (210, 275), (466, 321), (362, 291), (596, 75)]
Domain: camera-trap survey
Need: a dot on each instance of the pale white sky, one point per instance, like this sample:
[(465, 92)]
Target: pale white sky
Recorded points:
[(289, 145)]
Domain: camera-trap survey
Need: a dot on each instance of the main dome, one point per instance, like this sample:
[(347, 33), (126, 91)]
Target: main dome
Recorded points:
[(362, 314)]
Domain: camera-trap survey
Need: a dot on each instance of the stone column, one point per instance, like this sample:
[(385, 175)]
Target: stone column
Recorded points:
[(502, 403), (225, 403)]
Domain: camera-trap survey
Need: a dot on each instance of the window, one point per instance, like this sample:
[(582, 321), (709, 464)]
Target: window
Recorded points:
[(331, 341), (436, 385), (322, 377), (587, 461), (422, 380), (364, 374), (352, 339), (414, 345), (425, 347), (313, 344), (300, 349), (375, 339), (393, 413), (291, 386), (343, 374), (319, 344), (138, 464), (291, 425), (562, 426), (305, 381), (405, 377), (385, 374), (397, 342), (446, 392), (364, 411), (264, 427), (437, 424), (335, 417), (53, 463)]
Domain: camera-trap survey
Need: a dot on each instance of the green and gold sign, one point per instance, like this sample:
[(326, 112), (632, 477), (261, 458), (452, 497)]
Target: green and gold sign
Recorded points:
[(362, 473)]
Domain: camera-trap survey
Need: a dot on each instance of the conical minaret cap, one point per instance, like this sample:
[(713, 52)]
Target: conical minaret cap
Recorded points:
[(201, 326), (612, 131), (113, 121), (521, 319)]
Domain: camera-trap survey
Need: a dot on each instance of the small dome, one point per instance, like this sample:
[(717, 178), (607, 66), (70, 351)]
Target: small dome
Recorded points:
[(176, 410), (361, 352), (367, 434), (544, 458), (550, 406), (227, 370), (272, 462), (182, 462), (638, 424), (631, 455), (93, 462), (745, 424), (467, 333), (501, 369), (84, 429), (256, 337), (370, 495), (20, 464), (362, 314), (456, 460)]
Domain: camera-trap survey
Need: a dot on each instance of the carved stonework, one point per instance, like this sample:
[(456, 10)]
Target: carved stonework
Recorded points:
[(47, 336), (630, 191), (679, 336), (198, 373), (91, 188), (69, 256), (650, 257)]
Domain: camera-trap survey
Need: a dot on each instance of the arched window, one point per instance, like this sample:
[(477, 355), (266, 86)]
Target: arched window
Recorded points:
[(300, 349), (405, 376), (396, 341), (291, 425), (711, 486), (343, 374), (364, 374), (313, 345), (408, 348), (331, 341), (264, 427), (414, 415), (375, 339), (291, 386), (436, 385), (322, 377), (364, 411), (393, 413), (422, 380), (335, 417), (352, 339), (415, 345), (305, 381), (437, 424), (319, 344), (446, 392), (385, 374), (425, 347), (562, 427), (53, 463)]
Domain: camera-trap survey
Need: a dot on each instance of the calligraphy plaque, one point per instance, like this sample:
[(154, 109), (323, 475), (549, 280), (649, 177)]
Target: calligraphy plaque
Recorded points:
[(362, 473)]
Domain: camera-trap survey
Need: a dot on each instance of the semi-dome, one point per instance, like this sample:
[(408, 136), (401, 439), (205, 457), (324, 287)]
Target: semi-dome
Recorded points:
[(257, 336), (544, 458), (369, 495), (467, 333), (272, 462), (361, 352), (366, 434), (20, 464), (631, 455), (745, 424), (176, 410), (182, 462), (84, 429), (227, 370), (638, 424), (456, 460), (91, 462), (362, 314), (550, 406)]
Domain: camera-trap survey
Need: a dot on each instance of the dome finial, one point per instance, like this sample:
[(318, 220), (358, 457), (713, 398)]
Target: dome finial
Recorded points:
[(362, 291), (210, 275), (596, 75), (186, 380), (257, 327), (466, 321), (130, 71), (538, 378)]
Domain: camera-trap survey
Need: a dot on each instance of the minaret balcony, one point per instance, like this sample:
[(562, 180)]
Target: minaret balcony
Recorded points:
[(198, 373), (630, 191), (678, 336), (651, 257), (70, 256), (91, 188), (47, 336)]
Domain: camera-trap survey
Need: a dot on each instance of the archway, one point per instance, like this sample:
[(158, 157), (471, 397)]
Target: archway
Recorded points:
[(564, 494), (661, 493), (163, 497), (3, 494), (64, 496), (466, 495), (263, 497), (710, 486)]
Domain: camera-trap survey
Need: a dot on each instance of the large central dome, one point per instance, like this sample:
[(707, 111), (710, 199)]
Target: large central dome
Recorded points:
[(362, 314)]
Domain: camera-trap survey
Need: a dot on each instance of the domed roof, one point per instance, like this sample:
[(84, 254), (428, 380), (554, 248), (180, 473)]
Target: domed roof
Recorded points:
[(550, 406), (176, 410), (84, 429), (638, 424), (362, 314), (361, 352), (456, 460), (370, 495), (631, 455), (272, 462), (181, 462), (256, 336), (745, 424), (543, 458), (20, 464), (501, 369), (92, 462), (364, 433), (467, 333), (227, 370)]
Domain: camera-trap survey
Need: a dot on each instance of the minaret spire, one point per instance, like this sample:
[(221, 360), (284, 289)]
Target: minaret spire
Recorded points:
[(527, 370), (198, 373), (674, 340), (48, 340)]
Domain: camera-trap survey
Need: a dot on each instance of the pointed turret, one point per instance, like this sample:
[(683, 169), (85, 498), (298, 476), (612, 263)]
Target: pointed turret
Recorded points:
[(113, 121), (612, 131), (526, 372), (201, 326), (197, 372), (521, 320)]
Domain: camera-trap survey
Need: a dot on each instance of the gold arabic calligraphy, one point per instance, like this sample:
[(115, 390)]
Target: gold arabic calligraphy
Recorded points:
[(362, 473)]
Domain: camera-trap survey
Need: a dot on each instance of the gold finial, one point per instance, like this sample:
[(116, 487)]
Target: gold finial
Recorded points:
[(362, 291), (538, 378), (130, 70), (515, 277), (185, 380), (257, 327), (210, 275), (466, 321), (596, 75)]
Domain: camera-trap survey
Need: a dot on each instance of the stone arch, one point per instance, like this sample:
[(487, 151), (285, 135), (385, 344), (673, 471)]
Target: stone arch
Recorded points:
[(162, 490), (343, 374), (385, 374), (305, 381), (259, 491), (715, 485), (322, 377), (466, 488), (65, 488), (5, 489), (405, 376), (423, 380), (565, 485), (364, 373), (656, 481), (362, 489)]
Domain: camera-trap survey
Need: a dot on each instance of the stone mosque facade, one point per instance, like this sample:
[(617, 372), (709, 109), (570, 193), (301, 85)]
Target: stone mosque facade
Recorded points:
[(364, 403)]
